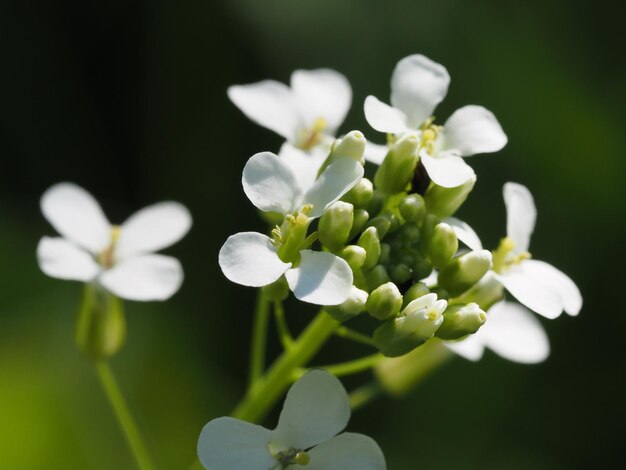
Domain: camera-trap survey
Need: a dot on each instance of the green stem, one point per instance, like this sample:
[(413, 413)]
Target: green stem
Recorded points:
[(281, 323), (124, 418), (349, 367), (259, 338), (268, 388), (365, 394), (347, 333)]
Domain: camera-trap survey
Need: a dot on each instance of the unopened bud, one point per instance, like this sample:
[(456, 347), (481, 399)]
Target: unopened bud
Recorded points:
[(485, 292), (335, 225), (442, 245), (413, 208), (396, 170), (400, 273), (461, 320), (352, 145), (444, 202), (370, 241), (410, 233), (360, 218), (422, 268), (464, 271), (377, 203), (354, 256), (384, 302), (385, 253), (361, 195), (382, 225), (351, 307), (376, 277), (416, 291)]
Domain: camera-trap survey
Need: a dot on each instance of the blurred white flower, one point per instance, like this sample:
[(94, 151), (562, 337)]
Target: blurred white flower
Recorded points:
[(315, 410), (119, 258), (418, 85), (252, 259)]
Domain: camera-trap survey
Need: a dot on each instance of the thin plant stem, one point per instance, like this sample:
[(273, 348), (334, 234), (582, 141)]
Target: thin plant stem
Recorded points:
[(347, 333), (346, 368), (281, 324), (124, 418), (365, 394), (259, 338)]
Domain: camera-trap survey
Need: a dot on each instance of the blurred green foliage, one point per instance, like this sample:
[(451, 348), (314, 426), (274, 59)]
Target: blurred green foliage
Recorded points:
[(128, 100)]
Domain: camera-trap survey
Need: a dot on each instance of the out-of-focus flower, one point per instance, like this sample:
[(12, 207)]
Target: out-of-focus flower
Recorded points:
[(315, 410)]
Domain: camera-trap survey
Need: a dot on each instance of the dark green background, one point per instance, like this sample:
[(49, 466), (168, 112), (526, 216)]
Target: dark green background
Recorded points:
[(128, 100)]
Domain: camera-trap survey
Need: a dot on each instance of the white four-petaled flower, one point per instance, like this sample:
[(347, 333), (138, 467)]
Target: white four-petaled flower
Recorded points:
[(119, 258), (251, 258), (315, 410), (418, 85)]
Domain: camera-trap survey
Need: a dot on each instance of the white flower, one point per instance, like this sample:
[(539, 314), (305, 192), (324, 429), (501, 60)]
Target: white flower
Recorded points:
[(418, 85), (511, 331), (120, 258), (315, 410), (252, 259), (307, 114)]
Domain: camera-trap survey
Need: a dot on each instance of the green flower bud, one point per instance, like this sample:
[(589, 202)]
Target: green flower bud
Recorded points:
[(384, 302), (464, 271), (354, 256), (352, 145), (101, 325), (444, 202), (377, 277), (385, 253), (361, 195), (461, 320), (485, 292), (370, 241), (442, 245), (410, 234), (382, 225), (377, 203), (400, 273), (413, 208), (417, 323), (422, 268), (360, 218), (335, 225), (277, 291), (351, 307), (396, 170), (416, 291)]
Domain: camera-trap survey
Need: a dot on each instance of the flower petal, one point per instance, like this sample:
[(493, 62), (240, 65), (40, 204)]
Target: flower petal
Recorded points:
[(471, 347), (521, 215), (76, 215), (228, 444), (270, 104), (270, 185), (375, 153), (250, 259), (418, 85), (347, 451), (514, 333), (305, 165), (384, 118), (531, 291), (448, 170), (62, 259), (560, 283), (471, 130), (334, 182), (153, 228), (464, 233), (321, 278), (322, 93), (144, 277), (316, 408)]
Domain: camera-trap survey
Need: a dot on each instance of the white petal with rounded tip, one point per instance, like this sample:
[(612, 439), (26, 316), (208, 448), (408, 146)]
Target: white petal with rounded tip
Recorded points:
[(375, 153), (250, 259), (448, 171), (384, 118), (334, 182), (76, 215), (464, 233), (229, 444), (144, 277), (347, 451), (471, 130), (471, 348), (560, 283), (321, 93), (62, 259), (269, 104), (316, 408), (531, 291), (418, 85), (304, 165), (521, 215), (153, 228), (514, 333), (321, 278), (270, 185)]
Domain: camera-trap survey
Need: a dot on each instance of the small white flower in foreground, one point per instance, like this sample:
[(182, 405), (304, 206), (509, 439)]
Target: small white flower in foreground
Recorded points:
[(119, 258), (315, 410), (253, 259), (307, 114), (418, 85), (511, 331)]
